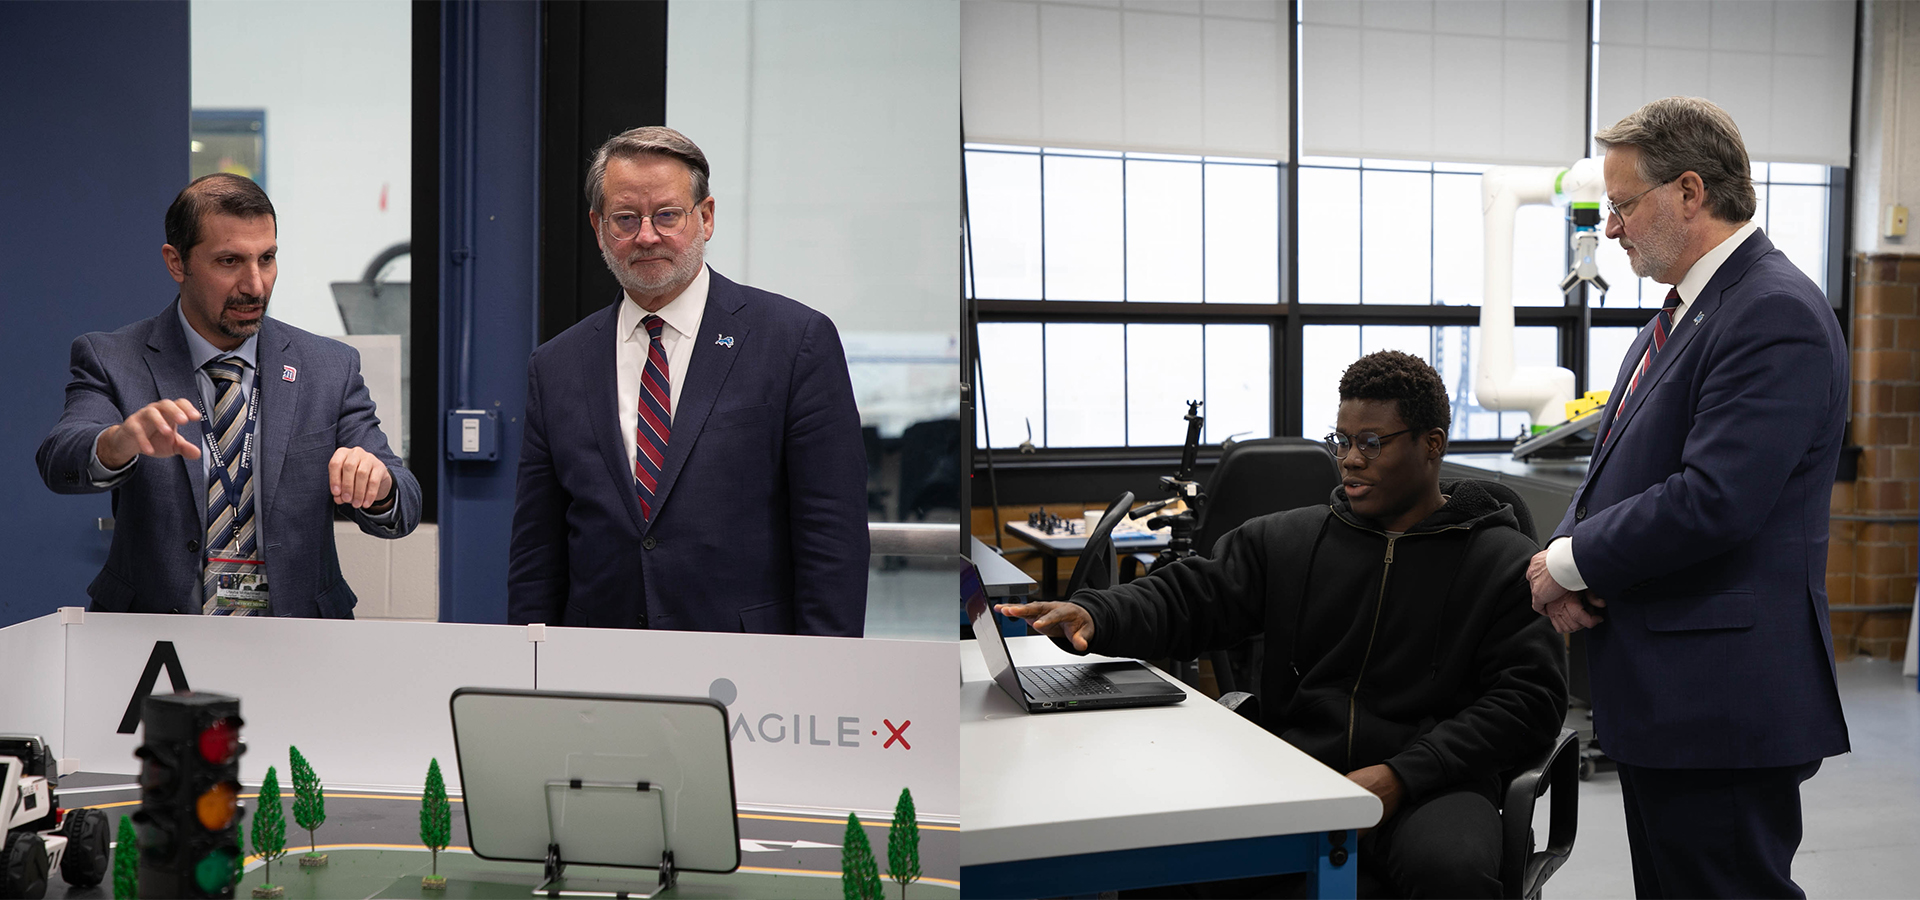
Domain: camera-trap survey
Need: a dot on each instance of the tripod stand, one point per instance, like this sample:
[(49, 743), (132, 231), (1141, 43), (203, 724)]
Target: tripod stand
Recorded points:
[(1183, 488)]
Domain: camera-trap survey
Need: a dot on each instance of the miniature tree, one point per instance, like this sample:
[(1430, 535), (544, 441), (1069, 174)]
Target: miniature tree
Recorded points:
[(269, 830), (436, 821), (309, 806), (903, 844), (859, 877), (239, 859), (126, 862)]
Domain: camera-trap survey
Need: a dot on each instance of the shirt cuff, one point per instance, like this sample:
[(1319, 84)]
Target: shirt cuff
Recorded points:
[(1560, 565), (385, 519), (98, 471)]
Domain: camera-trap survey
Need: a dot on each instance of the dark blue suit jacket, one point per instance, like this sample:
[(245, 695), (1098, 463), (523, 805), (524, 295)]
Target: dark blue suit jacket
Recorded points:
[(1703, 524), (160, 511), (761, 524)]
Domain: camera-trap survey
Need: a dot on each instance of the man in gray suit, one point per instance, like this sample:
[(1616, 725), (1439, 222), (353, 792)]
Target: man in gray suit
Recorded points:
[(256, 431)]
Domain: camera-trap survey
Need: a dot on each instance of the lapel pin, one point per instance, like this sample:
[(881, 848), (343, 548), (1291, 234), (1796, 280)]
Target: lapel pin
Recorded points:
[(288, 373), (1698, 317), (724, 340)]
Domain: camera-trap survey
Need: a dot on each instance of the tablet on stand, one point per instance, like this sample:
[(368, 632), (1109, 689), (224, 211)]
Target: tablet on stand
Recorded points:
[(624, 780)]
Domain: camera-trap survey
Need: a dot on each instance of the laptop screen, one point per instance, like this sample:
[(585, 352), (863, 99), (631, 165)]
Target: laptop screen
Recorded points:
[(993, 646)]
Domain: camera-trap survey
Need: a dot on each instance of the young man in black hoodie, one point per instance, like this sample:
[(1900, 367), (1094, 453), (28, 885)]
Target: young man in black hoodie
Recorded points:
[(1400, 646)]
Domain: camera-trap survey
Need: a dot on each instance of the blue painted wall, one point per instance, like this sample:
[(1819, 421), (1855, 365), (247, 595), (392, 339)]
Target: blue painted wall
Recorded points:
[(489, 238), (95, 104)]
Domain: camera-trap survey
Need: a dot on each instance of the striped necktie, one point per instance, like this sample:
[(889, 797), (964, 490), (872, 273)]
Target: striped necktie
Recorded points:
[(230, 524), (656, 419), (1662, 324)]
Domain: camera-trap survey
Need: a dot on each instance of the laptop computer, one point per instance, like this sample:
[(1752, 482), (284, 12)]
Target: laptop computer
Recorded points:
[(1060, 688)]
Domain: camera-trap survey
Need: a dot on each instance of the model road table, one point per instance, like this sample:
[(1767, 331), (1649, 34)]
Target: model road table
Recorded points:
[(373, 839), (1054, 546), (1094, 800)]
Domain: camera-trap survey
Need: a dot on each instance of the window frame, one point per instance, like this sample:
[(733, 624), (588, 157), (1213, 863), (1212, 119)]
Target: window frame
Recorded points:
[(1289, 317)]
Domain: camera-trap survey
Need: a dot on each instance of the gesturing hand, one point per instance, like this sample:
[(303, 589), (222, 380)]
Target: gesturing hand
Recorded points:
[(359, 479), (1054, 619), (152, 430)]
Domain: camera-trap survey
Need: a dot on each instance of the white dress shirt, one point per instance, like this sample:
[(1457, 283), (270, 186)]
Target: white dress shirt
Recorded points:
[(682, 316), (1560, 553)]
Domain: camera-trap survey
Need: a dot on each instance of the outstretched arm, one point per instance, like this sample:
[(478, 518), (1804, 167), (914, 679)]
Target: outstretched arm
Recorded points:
[(93, 435), (1183, 609)]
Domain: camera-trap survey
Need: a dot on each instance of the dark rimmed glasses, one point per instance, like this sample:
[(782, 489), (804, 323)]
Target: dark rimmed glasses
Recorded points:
[(1369, 443), (625, 226), (1624, 207)]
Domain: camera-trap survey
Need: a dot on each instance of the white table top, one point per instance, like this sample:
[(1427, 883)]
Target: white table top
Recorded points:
[(1057, 784)]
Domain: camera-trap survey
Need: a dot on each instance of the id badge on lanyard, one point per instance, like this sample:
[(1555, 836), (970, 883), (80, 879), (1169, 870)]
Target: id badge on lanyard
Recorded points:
[(232, 480), (239, 578), (239, 583)]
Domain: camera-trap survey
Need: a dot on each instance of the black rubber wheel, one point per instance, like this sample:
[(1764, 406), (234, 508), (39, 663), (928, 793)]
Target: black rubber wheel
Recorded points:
[(88, 848), (26, 867)]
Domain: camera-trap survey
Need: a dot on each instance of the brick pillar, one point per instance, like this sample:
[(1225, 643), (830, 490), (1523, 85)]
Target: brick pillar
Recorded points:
[(1872, 560)]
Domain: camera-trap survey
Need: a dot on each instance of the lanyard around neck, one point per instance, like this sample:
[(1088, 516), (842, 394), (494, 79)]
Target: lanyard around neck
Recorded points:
[(232, 480)]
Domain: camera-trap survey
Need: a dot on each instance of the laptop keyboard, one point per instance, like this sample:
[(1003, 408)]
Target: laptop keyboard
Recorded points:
[(1067, 681)]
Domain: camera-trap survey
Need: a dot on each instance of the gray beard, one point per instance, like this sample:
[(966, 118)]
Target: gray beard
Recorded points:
[(684, 270), (1658, 249)]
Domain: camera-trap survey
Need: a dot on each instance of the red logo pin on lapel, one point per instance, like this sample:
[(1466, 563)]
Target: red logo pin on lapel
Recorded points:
[(288, 373)]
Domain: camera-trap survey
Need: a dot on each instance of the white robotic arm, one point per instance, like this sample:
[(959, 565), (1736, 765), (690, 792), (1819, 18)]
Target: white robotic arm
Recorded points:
[(1499, 384)]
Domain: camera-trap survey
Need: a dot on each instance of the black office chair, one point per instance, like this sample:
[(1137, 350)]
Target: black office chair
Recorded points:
[(876, 490), (1099, 564), (929, 468), (1524, 869), (1511, 497), (1253, 479)]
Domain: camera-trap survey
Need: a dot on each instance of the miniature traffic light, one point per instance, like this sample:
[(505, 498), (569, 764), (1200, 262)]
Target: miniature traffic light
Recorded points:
[(189, 818)]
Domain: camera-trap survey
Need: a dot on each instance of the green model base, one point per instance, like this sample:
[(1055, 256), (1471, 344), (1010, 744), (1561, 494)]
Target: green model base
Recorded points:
[(397, 873)]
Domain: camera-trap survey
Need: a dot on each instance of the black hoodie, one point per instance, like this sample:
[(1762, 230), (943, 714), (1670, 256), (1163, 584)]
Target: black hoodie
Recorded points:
[(1420, 651)]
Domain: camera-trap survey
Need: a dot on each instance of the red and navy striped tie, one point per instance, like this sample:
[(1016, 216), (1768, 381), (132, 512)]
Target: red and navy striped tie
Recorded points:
[(656, 419), (1662, 323)]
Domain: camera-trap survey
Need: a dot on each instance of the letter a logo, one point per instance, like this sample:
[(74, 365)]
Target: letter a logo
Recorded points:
[(163, 655)]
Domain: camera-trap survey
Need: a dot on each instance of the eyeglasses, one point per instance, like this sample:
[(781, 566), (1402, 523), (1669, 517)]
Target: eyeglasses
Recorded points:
[(1368, 442), (1624, 207), (625, 226)]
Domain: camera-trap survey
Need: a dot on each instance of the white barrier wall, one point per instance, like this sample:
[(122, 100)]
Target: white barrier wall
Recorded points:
[(837, 723), (33, 680), (827, 723), (365, 701)]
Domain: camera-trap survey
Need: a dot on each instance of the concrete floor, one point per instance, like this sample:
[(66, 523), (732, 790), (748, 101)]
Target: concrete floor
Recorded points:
[(1862, 812)]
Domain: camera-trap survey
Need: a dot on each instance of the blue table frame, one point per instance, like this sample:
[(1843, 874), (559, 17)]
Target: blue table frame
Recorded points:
[(1313, 853)]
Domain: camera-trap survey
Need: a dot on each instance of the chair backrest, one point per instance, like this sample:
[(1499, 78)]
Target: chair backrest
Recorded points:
[(929, 467), (1255, 478), (1508, 495), (1099, 564)]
